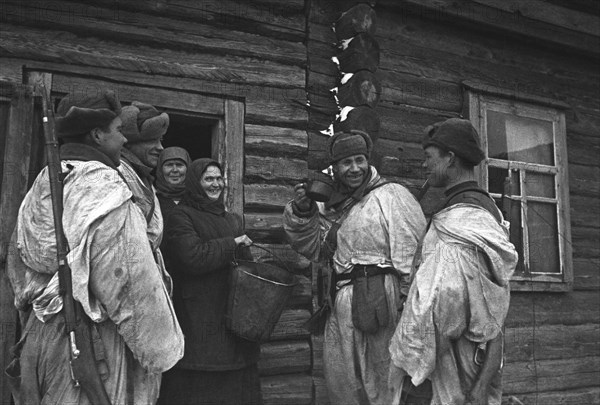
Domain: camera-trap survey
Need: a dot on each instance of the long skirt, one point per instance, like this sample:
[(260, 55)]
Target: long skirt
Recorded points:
[(234, 387)]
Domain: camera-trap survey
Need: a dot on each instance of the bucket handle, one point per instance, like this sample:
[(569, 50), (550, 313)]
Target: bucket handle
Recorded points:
[(268, 251)]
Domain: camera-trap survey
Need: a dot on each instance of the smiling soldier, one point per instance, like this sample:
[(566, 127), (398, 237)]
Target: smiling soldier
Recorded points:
[(366, 235)]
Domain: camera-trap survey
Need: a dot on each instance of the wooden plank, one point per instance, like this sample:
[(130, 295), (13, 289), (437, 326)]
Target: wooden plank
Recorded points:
[(523, 69), (575, 308), (584, 180), (19, 42), (290, 324), (410, 89), (264, 17), (15, 173), (585, 211), (263, 100), (292, 389), (585, 242), (503, 21), (549, 13), (550, 375), (583, 149), (529, 343), (265, 227), (161, 98), (154, 30), (588, 395), (267, 195), (302, 293), (286, 357), (275, 169), (586, 273), (273, 141), (234, 155), (274, 111)]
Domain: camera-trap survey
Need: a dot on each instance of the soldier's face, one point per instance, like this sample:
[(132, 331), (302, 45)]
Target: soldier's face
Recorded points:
[(147, 151), (110, 140), (352, 170), (436, 166)]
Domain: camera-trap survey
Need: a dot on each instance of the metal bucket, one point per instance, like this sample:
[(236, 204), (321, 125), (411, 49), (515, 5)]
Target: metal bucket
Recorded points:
[(258, 293)]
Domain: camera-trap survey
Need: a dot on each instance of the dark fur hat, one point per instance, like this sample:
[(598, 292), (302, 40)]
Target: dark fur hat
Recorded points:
[(349, 143), (143, 122), (78, 114), (456, 135)]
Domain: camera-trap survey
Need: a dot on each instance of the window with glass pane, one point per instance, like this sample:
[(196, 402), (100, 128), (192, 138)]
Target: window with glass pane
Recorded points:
[(525, 172)]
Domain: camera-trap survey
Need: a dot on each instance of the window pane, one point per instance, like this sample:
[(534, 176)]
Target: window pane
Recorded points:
[(540, 184), (516, 229), (497, 178), (511, 137), (543, 238)]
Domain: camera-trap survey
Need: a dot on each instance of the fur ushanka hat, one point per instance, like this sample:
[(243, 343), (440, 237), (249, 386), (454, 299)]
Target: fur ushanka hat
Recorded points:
[(78, 114), (349, 143), (143, 122), (456, 135)]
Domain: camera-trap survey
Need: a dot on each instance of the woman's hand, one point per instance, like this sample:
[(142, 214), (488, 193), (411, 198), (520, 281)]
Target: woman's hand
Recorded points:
[(243, 240), (302, 202)]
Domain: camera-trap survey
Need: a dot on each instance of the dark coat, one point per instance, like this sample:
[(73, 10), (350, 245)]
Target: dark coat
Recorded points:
[(200, 247)]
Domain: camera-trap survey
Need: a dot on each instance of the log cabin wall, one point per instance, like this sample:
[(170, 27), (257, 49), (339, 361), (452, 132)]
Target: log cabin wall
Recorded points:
[(252, 52), (544, 49)]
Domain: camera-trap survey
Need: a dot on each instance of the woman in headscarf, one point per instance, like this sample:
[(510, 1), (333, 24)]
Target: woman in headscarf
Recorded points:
[(202, 240), (170, 178)]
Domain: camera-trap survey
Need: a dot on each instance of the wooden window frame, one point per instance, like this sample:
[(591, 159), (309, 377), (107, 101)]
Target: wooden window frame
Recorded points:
[(229, 112), (480, 99)]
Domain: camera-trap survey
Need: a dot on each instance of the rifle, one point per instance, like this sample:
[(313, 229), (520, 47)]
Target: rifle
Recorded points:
[(84, 372)]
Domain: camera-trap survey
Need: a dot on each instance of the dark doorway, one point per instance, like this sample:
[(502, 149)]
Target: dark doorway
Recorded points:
[(190, 132)]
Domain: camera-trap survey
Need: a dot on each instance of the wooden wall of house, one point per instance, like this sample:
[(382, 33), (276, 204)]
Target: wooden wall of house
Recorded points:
[(427, 50), (249, 51)]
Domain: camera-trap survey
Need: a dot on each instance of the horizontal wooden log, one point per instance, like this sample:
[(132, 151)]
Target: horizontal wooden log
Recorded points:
[(269, 140), (267, 195), (155, 31), (302, 292), (588, 395), (585, 211), (548, 342), (284, 357), (586, 273), (583, 149), (504, 21), (290, 324), (459, 56), (584, 180), (265, 226), (580, 307), (265, 17), (273, 112), (22, 42), (292, 389), (550, 375), (585, 242), (552, 14), (274, 169), (410, 89)]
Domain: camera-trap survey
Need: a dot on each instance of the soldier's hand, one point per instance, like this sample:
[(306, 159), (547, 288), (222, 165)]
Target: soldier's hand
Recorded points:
[(300, 198), (243, 240)]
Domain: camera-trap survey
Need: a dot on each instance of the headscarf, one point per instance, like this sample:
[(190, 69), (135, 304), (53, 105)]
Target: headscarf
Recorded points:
[(195, 196), (163, 187)]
